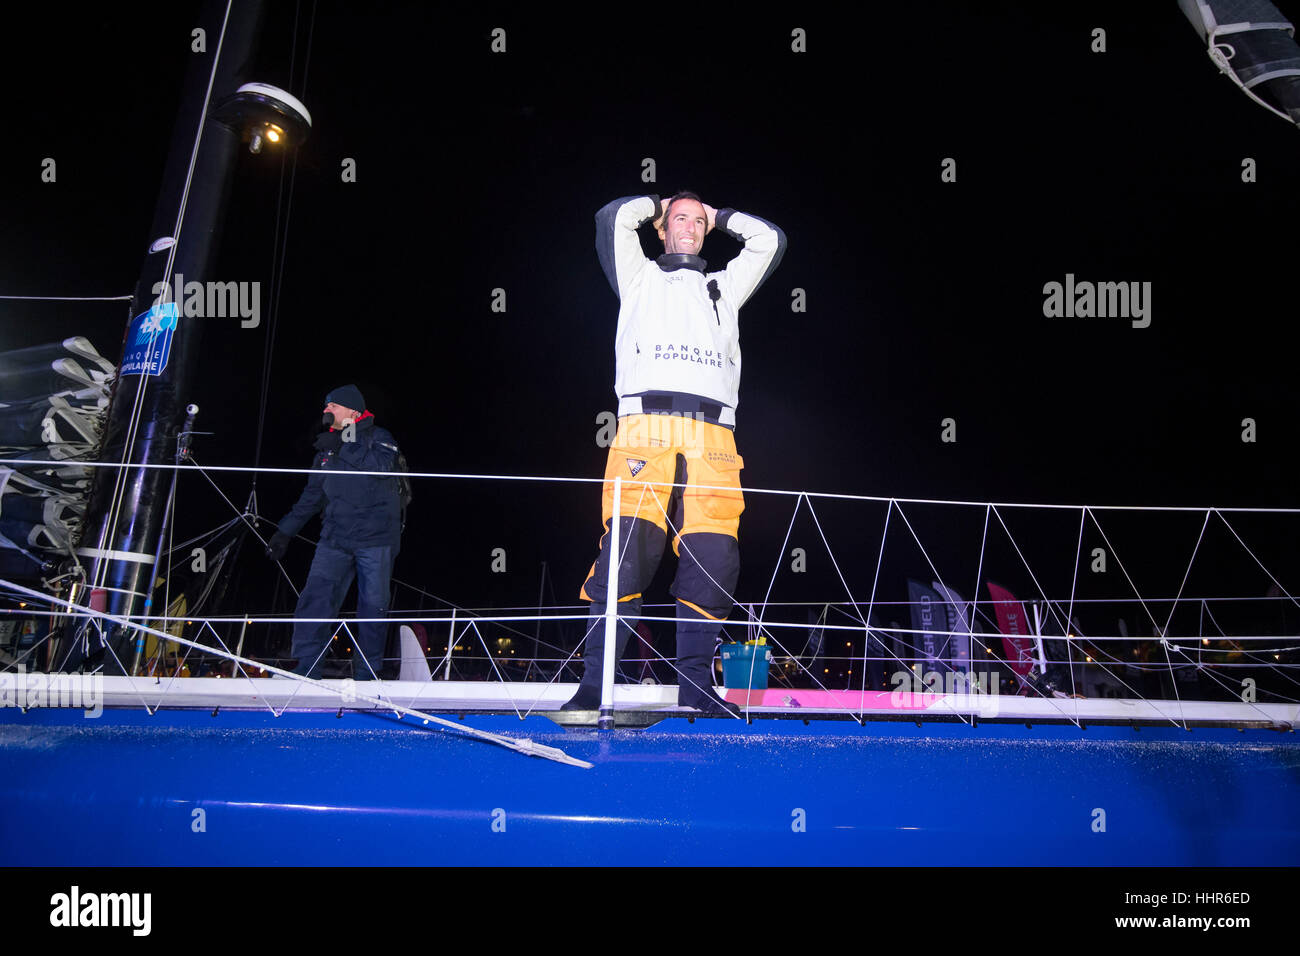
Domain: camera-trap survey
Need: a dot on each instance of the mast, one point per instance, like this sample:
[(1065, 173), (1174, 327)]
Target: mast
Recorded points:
[(124, 521)]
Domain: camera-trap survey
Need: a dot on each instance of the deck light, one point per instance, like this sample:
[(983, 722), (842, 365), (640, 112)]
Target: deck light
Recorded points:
[(264, 114)]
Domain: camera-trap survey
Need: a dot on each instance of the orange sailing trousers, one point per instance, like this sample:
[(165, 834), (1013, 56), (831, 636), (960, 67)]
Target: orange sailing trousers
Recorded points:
[(653, 453)]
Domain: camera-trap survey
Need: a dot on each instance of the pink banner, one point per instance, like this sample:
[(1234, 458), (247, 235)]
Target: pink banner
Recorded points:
[(1017, 640)]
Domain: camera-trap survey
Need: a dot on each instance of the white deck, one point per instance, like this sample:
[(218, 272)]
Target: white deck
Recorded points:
[(481, 696)]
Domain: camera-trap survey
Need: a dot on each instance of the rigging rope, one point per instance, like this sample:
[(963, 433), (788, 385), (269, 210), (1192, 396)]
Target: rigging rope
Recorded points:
[(520, 745), (70, 298)]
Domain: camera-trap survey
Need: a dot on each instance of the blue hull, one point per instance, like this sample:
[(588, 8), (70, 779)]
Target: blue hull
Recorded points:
[(310, 788)]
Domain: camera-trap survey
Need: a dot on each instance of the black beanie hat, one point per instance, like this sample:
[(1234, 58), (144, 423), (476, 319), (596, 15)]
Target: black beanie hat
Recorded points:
[(349, 396)]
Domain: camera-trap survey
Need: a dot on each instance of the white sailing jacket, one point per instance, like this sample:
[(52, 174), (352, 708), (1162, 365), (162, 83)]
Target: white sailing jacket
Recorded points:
[(678, 326)]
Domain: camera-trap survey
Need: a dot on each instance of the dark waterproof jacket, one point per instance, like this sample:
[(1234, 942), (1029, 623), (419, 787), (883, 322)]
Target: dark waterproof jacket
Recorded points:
[(361, 511)]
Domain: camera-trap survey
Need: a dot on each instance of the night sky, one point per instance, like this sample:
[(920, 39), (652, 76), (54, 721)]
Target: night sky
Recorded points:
[(479, 170)]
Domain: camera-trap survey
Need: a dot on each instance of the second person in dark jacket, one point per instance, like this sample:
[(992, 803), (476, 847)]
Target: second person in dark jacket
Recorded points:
[(361, 531)]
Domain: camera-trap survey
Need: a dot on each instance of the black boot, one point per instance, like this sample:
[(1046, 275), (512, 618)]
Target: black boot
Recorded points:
[(695, 644), (593, 662)]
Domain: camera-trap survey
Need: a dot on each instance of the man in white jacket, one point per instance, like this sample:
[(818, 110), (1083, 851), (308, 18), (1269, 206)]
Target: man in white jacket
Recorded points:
[(677, 353)]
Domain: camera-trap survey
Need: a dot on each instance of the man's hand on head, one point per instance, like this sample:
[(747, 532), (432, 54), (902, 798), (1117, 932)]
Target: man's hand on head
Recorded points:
[(710, 214), (663, 211)]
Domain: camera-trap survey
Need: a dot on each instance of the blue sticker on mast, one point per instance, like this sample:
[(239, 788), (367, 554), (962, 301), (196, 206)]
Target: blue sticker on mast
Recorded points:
[(150, 340)]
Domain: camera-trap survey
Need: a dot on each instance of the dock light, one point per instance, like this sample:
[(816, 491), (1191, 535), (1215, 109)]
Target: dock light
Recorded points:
[(262, 113)]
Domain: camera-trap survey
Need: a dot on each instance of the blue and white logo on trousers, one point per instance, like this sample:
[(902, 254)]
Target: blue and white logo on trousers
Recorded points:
[(150, 338)]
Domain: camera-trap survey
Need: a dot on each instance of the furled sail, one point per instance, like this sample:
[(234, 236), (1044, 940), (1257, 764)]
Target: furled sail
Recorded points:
[(52, 403)]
